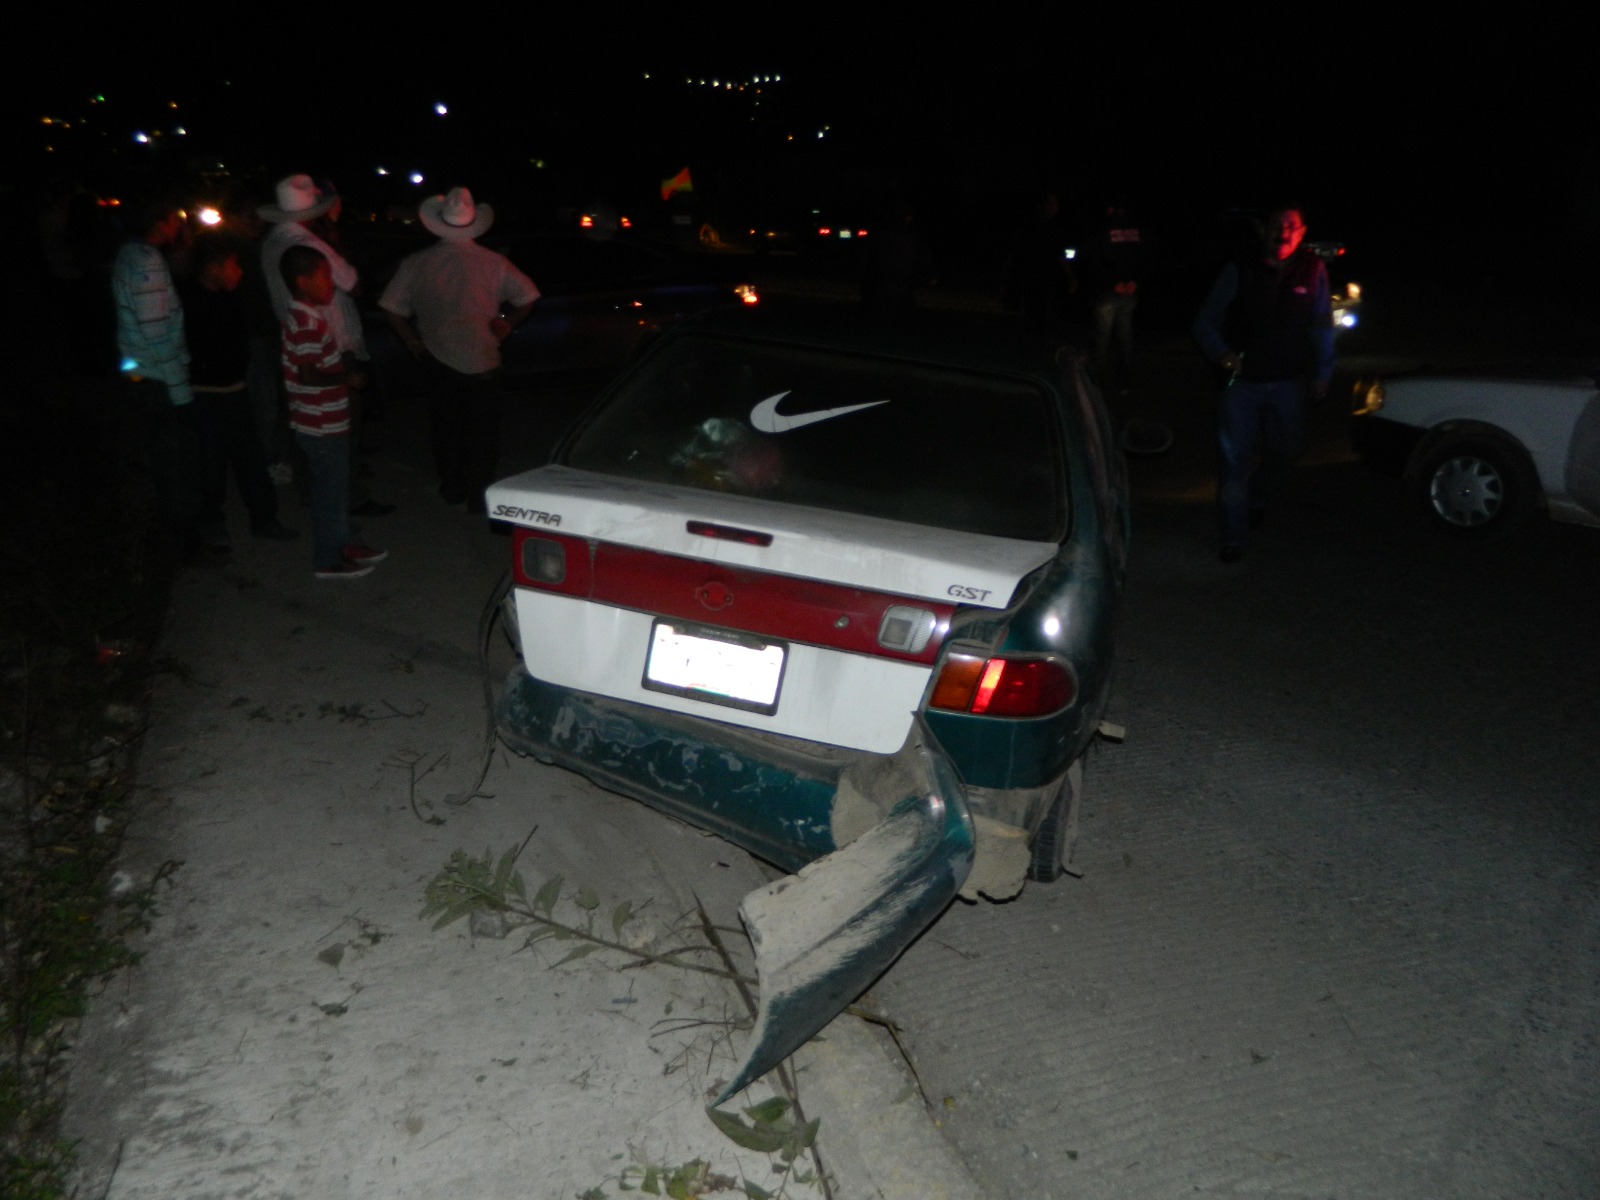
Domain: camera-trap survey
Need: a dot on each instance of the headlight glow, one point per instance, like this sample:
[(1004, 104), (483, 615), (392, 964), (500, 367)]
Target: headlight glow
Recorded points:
[(1368, 395)]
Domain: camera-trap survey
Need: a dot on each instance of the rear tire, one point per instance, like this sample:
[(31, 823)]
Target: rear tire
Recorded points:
[(1058, 833)]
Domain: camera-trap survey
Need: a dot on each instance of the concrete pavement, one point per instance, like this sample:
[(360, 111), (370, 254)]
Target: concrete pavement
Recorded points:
[(295, 1030)]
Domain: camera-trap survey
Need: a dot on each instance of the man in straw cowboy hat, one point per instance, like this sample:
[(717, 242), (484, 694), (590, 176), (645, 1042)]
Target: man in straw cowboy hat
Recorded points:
[(298, 202), (452, 305)]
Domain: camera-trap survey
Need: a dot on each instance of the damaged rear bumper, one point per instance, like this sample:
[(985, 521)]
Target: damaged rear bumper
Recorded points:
[(821, 935)]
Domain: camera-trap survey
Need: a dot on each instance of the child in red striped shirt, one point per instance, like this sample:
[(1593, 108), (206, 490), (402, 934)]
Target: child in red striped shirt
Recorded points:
[(317, 384)]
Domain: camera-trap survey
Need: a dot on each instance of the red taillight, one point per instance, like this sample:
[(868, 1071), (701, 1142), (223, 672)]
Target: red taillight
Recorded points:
[(824, 231), (586, 222), (1003, 687)]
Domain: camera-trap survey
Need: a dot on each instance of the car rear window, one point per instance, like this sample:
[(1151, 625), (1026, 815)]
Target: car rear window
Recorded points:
[(880, 437)]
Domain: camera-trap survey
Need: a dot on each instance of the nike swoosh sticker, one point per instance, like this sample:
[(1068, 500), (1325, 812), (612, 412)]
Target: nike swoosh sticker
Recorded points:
[(766, 417)]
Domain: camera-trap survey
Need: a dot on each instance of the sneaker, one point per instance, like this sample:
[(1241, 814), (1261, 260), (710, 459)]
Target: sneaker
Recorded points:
[(355, 552), (344, 570), (280, 472), (275, 531)]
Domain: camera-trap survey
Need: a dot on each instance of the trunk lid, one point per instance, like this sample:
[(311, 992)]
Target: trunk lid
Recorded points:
[(747, 532)]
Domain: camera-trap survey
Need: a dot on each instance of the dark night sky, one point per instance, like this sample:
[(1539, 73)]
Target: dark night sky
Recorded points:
[(1416, 135)]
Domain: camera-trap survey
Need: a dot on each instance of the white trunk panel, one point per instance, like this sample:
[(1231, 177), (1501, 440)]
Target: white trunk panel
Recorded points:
[(850, 700)]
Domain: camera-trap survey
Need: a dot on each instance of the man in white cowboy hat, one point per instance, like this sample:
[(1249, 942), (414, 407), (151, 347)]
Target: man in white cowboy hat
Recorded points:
[(452, 305), (300, 201)]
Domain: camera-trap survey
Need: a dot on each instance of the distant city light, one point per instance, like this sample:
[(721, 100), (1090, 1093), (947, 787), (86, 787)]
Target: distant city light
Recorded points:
[(415, 177), (142, 138), (441, 108), (181, 131), (383, 170), (209, 216)]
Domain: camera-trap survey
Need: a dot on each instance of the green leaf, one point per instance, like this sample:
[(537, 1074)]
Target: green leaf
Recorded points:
[(620, 917), (547, 896), (767, 1141), (518, 886), (455, 912), (652, 1182), (502, 871), (586, 898), (538, 935), (576, 953), (806, 1136), (768, 1111), (756, 1192)]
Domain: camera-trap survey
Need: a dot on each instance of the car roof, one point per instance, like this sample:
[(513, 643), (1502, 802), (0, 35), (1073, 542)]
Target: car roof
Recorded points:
[(967, 341)]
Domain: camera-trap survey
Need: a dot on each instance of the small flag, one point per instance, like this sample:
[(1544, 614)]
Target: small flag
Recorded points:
[(678, 183)]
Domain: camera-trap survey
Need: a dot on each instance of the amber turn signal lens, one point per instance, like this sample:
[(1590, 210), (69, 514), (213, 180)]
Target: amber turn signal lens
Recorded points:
[(1004, 687), (958, 682)]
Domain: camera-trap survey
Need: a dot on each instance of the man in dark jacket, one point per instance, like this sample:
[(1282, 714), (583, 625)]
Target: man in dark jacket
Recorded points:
[(1267, 322), (1114, 260)]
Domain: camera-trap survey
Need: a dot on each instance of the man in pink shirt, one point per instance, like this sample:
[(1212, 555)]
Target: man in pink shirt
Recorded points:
[(452, 305)]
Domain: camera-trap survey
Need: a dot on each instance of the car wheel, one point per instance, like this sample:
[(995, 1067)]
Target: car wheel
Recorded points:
[(1058, 833), (1476, 486)]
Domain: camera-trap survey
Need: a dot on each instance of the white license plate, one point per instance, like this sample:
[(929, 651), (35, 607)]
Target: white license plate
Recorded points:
[(715, 665)]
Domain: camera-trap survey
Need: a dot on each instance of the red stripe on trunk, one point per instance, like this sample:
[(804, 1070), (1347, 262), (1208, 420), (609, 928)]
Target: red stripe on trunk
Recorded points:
[(690, 589)]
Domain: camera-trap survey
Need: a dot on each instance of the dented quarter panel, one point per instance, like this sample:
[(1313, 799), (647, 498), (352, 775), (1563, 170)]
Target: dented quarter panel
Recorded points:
[(1067, 610)]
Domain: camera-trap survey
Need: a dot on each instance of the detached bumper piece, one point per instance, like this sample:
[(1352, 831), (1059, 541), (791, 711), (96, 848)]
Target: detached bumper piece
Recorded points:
[(821, 936)]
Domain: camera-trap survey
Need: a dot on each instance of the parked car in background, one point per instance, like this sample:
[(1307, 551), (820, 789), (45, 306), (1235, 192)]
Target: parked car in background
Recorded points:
[(600, 299), (1486, 451), (842, 594)]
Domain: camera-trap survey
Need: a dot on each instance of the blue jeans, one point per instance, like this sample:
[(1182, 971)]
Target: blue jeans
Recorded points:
[(329, 461), (1259, 428)]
